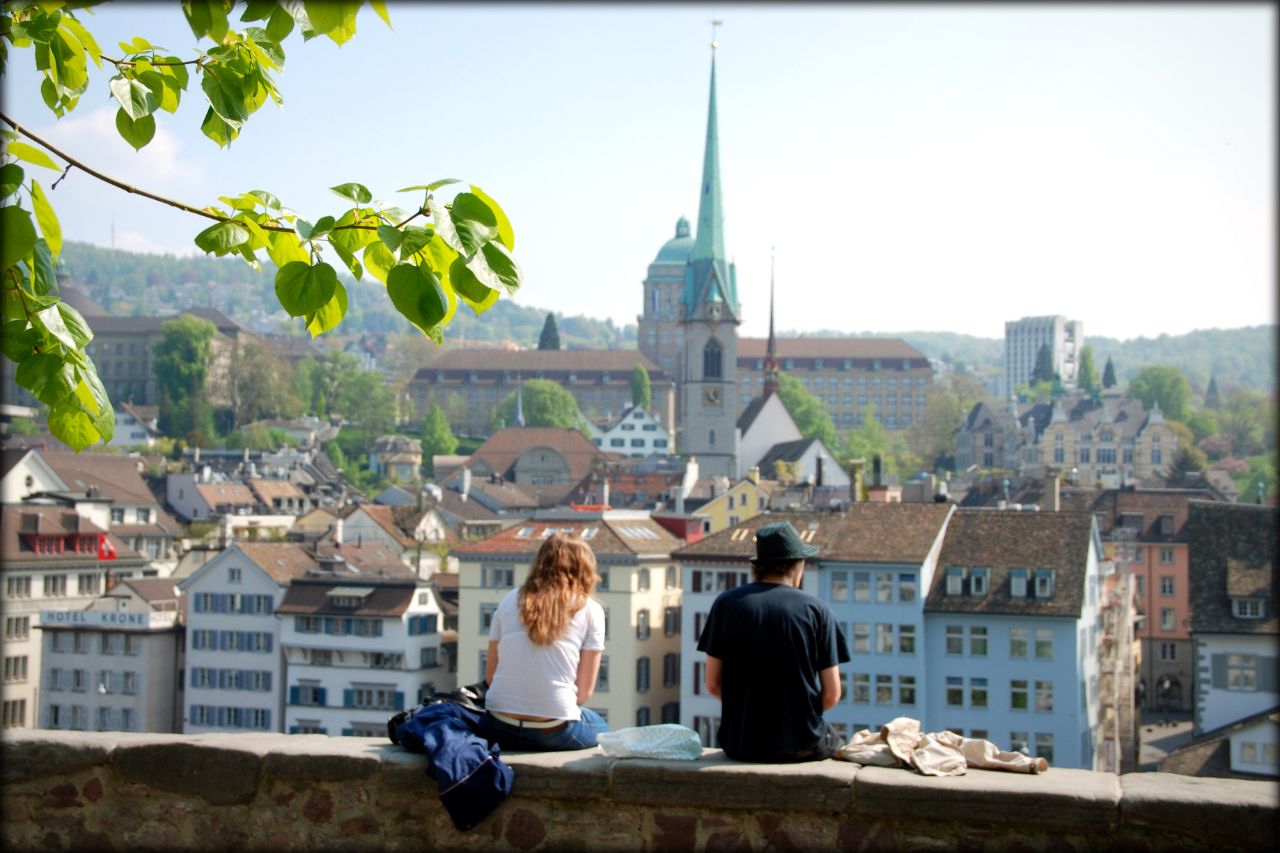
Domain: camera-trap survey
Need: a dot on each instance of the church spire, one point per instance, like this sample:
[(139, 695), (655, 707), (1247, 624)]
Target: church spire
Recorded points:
[(771, 384), (709, 242)]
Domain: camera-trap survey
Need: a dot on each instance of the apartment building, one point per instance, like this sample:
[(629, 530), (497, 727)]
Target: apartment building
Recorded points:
[(235, 668), (1023, 340), (52, 558), (361, 636), (116, 665), (635, 433), (639, 590), (1013, 633)]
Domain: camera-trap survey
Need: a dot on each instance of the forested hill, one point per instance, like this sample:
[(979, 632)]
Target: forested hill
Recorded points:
[(127, 283)]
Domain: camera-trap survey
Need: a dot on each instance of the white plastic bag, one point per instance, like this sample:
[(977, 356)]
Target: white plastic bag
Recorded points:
[(665, 740)]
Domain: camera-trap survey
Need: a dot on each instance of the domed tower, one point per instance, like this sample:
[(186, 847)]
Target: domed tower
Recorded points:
[(660, 333)]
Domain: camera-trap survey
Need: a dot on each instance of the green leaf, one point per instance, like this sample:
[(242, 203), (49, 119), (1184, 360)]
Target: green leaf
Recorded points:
[(17, 236), (177, 72), (390, 236), (34, 156), (84, 37), (19, 340), (333, 18), (207, 18), (11, 176), (265, 49), (303, 289), (413, 238), (44, 277), (378, 260), (133, 96), (494, 267), (279, 25), (217, 129), (380, 8), (222, 237), (138, 45), (137, 133), (330, 315), (269, 201), (505, 232), (227, 92), (72, 425), (444, 225), (75, 324), (320, 228), (348, 259), (356, 192), (474, 221), (434, 185), (469, 288), (441, 256), (49, 321), (285, 248), (46, 218), (352, 239), (417, 295)]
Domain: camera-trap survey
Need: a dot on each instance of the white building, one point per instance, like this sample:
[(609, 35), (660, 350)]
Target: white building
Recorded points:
[(235, 668), (636, 434), (115, 665), (1235, 629), (359, 647), (1023, 339)]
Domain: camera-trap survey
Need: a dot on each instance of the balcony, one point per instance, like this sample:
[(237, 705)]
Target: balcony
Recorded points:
[(70, 791)]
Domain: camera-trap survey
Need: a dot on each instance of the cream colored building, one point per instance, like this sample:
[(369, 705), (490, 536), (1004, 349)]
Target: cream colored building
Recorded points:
[(639, 681)]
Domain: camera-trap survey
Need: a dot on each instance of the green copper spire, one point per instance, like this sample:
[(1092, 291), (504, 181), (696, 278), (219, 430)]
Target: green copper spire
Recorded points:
[(709, 243)]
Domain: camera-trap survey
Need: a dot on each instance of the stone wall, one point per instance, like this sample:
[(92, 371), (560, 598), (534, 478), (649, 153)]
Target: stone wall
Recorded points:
[(83, 790)]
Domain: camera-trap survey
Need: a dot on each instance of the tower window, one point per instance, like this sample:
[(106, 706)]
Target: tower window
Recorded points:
[(712, 356)]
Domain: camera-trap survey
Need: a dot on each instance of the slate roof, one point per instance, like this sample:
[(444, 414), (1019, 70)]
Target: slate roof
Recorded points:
[(833, 348), (389, 598), (1231, 546), (1210, 753), (785, 451), (152, 590), (385, 518), (897, 533), (269, 490), (612, 537), (751, 412), (1002, 540), (226, 494), (117, 477), (19, 519), (1110, 505), (505, 446), (368, 559)]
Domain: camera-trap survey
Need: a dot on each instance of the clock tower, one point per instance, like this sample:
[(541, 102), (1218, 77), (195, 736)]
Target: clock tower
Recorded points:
[(710, 315)]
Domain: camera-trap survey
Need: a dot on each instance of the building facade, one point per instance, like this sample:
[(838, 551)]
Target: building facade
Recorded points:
[(1023, 340)]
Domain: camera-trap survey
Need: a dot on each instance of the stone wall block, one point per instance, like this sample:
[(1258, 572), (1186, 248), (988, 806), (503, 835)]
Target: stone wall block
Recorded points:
[(1076, 800), (30, 754), (219, 773), (716, 782), (578, 775), (1215, 810), (319, 758)]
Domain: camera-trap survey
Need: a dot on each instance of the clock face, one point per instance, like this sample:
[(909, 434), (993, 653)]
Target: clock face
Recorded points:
[(711, 397)]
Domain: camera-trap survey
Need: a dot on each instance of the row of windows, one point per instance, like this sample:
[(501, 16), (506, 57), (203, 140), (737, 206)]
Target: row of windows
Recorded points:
[(885, 583), (338, 626), (81, 642), (230, 679), (232, 718), (54, 586), (635, 442), (670, 714), (232, 641), (1020, 641), (79, 680), (77, 717), (670, 622), (231, 602)]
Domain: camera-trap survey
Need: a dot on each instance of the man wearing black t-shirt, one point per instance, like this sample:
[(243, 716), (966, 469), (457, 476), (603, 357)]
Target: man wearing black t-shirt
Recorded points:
[(772, 656)]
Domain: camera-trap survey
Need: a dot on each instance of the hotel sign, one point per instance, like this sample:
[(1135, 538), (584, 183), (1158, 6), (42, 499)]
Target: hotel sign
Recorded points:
[(96, 619)]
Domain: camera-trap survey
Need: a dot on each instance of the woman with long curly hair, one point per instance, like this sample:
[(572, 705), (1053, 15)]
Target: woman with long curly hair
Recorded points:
[(545, 643)]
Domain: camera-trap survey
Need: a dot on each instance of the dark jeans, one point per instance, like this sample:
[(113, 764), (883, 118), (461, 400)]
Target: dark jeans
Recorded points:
[(825, 748), (575, 734)]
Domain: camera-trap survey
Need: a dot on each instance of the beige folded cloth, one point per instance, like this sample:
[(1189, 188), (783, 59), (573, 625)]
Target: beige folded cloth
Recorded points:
[(899, 742)]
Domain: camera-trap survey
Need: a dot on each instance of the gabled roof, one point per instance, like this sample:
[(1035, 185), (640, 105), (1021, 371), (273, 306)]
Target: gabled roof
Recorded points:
[(1003, 540), (1209, 754), (365, 560), (152, 590), (748, 415), (225, 494), (1231, 546), (384, 518), (19, 520), (608, 537), (268, 490), (313, 596), (116, 477), (895, 533), (1112, 505), (784, 451), (501, 451), (282, 562)]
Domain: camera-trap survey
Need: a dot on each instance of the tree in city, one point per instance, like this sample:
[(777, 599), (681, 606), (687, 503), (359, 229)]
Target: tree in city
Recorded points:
[(1186, 465), (1087, 375), (180, 362), (437, 437), (865, 440), (1212, 398), (641, 388), (262, 386), (1241, 420), (464, 255), (932, 436), (811, 417), (550, 337), (1164, 385), (1109, 374), (544, 403), (1043, 371)]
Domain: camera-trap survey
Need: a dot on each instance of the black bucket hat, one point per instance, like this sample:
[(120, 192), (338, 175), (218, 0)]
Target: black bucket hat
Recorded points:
[(778, 542)]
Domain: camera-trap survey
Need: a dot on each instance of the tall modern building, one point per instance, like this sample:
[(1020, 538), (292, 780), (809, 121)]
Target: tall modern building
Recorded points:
[(1023, 339)]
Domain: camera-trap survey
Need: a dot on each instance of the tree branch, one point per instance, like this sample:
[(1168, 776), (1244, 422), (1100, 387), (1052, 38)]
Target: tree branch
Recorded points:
[(72, 162)]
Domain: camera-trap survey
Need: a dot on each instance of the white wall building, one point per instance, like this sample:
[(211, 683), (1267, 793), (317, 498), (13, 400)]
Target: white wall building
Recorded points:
[(1023, 339), (636, 433)]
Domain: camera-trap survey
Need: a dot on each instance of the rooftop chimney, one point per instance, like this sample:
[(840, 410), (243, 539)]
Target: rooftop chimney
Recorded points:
[(337, 532)]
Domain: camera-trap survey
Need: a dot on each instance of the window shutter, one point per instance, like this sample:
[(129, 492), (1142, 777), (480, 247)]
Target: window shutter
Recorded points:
[(348, 732), (293, 695), (266, 680), (320, 695), (269, 640), (399, 700), (1266, 674), (1219, 671), (293, 730), (266, 719), (348, 701)]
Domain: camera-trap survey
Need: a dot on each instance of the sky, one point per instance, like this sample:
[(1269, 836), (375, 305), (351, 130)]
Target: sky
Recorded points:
[(907, 167)]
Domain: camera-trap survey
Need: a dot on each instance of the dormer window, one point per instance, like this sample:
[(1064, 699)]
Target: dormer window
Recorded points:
[(955, 580), (1044, 583), (978, 582), (1166, 525), (1249, 608), (1018, 583)]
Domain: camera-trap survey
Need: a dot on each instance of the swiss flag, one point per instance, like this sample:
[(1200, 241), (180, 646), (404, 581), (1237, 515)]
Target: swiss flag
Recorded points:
[(106, 551)]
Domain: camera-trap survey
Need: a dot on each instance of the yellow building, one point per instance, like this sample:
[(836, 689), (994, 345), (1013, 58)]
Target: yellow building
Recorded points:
[(744, 499), (639, 680)]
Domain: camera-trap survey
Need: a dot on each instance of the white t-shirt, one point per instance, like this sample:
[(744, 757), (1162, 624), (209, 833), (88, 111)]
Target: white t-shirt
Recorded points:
[(540, 681)]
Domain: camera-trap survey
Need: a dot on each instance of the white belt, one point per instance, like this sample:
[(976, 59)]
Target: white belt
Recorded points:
[(526, 724)]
